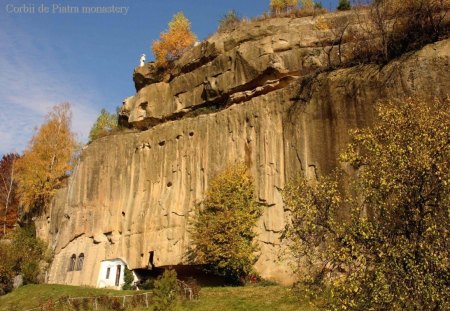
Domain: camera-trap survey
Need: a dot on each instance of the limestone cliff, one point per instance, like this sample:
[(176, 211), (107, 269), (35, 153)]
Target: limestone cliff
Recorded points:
[(252, 95)]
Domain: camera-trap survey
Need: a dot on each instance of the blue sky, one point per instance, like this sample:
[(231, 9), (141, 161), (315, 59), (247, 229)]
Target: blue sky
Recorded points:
[(85, 59)]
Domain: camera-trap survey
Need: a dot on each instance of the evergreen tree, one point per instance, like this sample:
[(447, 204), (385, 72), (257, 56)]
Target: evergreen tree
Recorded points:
[(166, 291), (344, 5)]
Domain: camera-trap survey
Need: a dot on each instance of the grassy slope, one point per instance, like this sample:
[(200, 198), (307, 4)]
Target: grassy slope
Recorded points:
[(249, 298), (30, 296)]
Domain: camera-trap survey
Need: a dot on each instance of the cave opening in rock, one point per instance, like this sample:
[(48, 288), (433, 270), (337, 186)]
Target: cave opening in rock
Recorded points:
[(151, 265)]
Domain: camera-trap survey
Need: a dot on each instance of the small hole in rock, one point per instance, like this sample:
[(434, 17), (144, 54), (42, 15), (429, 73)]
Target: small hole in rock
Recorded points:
[(123, 213), (191, 133), (169, 184), (162, 143), (179, 136)]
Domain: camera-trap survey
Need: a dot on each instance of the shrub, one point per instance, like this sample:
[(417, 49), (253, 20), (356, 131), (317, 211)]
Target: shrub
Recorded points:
[(128, 280), (148, 284), (166, 291), (7, 271), (223, 230), (173, 43), (229, 21), (194, 286), (22, 254), (393, 27), (282, 6)]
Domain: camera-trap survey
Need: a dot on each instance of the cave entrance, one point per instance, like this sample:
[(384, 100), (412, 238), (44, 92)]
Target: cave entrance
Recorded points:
[(151, 257)]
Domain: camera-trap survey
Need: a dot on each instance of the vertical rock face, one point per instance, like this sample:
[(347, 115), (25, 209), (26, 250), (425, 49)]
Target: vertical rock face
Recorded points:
[(248, 96)]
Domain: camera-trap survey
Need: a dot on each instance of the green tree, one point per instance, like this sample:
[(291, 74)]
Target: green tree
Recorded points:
[(47, 160), (166, 291), (7, 263), (30, 254), (391, 251), (223, 231), (175, 41), (104, 125), (22, 253), (344, 5)]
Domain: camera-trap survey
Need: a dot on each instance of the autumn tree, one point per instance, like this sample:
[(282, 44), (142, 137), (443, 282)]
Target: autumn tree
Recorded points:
[(391, 251), (223, 230), (46, 161), (8, 192), (174, 42), (279, 6), (104, 125)]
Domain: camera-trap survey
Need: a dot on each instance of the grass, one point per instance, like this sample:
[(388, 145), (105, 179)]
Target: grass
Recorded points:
[(269, 298), (31, 296), (249, 298)]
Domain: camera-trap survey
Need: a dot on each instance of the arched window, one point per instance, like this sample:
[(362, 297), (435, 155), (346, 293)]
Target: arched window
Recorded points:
[(80, 261), (73, 259)]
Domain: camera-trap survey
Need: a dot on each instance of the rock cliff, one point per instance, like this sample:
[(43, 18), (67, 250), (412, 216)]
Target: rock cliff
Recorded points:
[(252, 95)]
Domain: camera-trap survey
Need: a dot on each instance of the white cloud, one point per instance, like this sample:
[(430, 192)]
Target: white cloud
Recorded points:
[(32, 80)]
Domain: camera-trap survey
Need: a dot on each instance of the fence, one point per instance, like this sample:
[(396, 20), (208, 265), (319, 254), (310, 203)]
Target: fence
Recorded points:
[(98, 302), (74, 303)]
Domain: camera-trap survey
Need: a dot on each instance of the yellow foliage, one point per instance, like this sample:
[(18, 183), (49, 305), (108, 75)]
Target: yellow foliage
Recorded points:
[(391, 251), (322, 24), (175, 41), (223, 229), (278, 6), (46, 161)]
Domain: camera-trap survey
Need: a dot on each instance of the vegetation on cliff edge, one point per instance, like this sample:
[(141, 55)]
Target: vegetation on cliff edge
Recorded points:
[(173, 42)]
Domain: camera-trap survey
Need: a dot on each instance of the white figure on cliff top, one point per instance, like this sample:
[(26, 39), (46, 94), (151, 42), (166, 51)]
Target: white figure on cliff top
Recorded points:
[(142, 61)]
